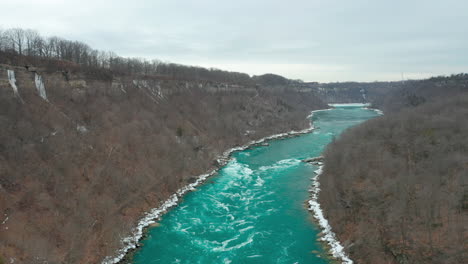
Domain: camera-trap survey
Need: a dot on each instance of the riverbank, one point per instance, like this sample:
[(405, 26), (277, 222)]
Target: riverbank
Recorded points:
[(131, 243), (334, 246), (393, 188), (328, 236)]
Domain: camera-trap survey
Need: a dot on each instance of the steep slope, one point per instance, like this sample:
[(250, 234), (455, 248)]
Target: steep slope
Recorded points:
[(395, 189), (81, 158)]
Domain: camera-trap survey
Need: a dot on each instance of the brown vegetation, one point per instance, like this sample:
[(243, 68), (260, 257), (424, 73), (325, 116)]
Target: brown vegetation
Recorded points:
[(395, 188), (77, 171), (413, 93)]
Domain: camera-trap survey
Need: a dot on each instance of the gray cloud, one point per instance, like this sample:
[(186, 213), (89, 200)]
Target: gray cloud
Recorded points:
[(315, 40)]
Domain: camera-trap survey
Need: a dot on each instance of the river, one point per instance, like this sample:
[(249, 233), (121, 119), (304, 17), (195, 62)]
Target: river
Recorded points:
[(253, 210)]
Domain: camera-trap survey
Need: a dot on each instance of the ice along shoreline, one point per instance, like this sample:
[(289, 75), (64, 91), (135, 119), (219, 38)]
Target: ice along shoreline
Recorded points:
[(130, 243), (329, 237)]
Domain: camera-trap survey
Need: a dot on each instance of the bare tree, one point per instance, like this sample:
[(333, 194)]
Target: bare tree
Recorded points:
[(17, 39)]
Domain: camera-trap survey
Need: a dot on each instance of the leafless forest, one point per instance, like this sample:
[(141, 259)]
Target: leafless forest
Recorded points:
[(111, 142), (116, 136), (395, 188), (55, 53)]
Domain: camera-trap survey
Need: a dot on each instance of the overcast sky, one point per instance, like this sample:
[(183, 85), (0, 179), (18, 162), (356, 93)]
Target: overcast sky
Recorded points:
[(313, 40)]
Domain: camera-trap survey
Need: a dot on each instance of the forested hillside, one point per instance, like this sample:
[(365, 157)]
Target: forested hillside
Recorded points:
[(413, 93), (395, 189), (86, 148)]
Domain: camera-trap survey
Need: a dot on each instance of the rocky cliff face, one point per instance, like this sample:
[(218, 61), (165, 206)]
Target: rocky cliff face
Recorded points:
[(353, 92), (82, 159)]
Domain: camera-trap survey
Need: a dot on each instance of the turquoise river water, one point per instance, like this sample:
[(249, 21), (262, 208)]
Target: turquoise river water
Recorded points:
[(253, 210)]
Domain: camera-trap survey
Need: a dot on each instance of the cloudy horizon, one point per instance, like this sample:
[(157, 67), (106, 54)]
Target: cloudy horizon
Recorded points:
[(310, 40)]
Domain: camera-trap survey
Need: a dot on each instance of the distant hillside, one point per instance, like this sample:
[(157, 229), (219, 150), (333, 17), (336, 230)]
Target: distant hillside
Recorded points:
[(391, 96), (395, 189), (353, 92), (271, 80), (414, 93)]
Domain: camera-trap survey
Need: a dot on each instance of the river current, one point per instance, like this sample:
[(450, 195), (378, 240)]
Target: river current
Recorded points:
[(254, 210)]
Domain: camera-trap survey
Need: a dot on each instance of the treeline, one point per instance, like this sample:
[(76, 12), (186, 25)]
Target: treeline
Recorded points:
[(25, 46)]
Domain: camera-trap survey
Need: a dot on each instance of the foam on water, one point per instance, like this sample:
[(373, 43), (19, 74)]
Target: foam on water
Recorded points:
[(282, 164)]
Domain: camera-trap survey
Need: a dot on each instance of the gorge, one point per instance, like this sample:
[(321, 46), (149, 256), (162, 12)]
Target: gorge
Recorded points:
[(94, 147), (253, 210)]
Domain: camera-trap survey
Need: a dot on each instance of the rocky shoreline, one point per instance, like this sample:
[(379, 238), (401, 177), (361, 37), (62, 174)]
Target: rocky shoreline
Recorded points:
[(327, 236)]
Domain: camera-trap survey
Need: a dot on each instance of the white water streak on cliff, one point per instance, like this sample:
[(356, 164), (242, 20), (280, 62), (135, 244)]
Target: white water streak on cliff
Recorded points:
[(40, 86), (12, 80), (131, 241)]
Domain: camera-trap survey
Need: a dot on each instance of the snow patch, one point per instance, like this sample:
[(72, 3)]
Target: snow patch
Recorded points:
[(155, 92), (40, 86), (248, 132), (81, 129), (6, 219), (329, 237), (378, 111)]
